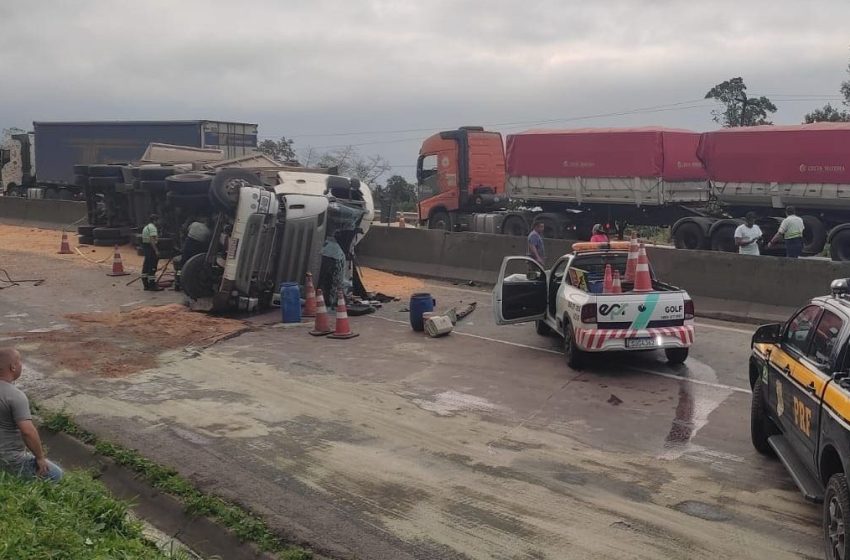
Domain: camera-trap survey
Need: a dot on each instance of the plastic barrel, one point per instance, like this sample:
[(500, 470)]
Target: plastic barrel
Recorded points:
[(419, 304), (290, 302)]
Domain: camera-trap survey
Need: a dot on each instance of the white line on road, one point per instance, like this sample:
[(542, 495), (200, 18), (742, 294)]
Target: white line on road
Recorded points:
[(550, 351)]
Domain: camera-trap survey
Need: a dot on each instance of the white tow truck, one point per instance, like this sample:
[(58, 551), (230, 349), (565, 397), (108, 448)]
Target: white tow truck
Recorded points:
[(568, 300)]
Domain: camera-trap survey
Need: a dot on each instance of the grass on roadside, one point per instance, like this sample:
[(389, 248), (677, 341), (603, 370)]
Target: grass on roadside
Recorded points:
[(246, 526), (77, 520)]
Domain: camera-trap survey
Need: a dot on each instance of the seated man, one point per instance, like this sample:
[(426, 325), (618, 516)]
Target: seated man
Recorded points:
[(17, 432)]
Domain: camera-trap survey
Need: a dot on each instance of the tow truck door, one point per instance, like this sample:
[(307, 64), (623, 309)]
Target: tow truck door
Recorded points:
[(520, 294)]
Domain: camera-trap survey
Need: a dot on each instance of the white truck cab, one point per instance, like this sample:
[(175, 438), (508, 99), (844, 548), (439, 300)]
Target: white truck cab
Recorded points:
[(568, 300)]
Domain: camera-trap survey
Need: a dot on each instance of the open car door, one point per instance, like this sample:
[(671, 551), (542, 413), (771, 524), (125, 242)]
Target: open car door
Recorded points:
[(520, 294)]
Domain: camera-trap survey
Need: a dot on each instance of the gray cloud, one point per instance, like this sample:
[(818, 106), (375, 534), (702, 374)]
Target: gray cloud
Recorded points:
[(329, 66)]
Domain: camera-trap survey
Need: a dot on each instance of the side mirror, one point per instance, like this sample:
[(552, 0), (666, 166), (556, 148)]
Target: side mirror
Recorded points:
[(770, 334)]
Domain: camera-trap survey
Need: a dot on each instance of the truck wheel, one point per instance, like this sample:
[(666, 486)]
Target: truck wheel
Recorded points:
[(188, 183), (542, 328), (197, 277), (836, 507), (839, 247), (440, 220), (515, 225), (85, 230), (224, 189), (109, 242), (723, 239), (550, 221), (85, 240), (200, 202), (814, 235), (107, 232), (676, 355), (574, 357), (761, 426), (689, 236)]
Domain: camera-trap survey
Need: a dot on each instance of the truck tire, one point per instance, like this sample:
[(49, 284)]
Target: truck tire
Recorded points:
[(224, 189), (153, 186), (515, 225), (761, 426), (109, 242), (81, 170), (551, 225), (839, 246), (85, 230), (200, 202), (676, 355), (196, 277), (836, 508), (573, 356), (85, 240), (814, 235), (723, 239), (155, 173), (440, 220), (689, 235), (113, 171), (99, 182), (188, 183)]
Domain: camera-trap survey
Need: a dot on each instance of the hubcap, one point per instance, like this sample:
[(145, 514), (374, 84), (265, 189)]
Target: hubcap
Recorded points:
[(835, 529)]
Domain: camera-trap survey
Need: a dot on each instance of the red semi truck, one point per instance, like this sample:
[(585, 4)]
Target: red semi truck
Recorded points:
[(701, 184)]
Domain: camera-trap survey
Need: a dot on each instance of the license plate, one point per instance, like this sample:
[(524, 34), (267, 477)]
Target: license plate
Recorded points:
[(640, 343)]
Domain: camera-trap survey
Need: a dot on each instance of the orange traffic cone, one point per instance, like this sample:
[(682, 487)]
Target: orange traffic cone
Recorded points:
[(643, 282), (631, 264), (310, 300), (342, 328), (608, 281), (322, 325), (117, 265), (616, 285), (64, 248)]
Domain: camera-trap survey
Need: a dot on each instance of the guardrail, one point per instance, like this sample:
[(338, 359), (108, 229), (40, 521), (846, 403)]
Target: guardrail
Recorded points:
[(736, 280), (33, 211)]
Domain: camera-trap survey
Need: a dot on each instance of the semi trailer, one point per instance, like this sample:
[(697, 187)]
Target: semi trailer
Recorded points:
[(699, 184)]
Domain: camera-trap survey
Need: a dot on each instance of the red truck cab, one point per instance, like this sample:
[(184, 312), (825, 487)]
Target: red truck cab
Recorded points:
[(460, 172)]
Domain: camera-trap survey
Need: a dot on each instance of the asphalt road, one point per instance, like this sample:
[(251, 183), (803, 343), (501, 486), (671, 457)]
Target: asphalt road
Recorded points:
[(482, 444)]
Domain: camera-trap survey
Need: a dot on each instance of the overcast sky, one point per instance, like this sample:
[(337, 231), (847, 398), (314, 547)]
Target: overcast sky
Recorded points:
[(316, 69)]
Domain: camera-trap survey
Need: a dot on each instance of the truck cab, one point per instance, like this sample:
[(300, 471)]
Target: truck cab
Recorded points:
[(460, 172)]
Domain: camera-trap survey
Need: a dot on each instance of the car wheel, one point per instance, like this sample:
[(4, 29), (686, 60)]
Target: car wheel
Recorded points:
[(574, 356), (761, 426), (224, 189), (676, 355), (440, 220), (836, 507), (197, 277), (542, 328)]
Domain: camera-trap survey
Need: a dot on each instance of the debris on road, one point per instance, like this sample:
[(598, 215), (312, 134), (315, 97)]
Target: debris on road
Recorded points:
[(40, 241), (388, 283)]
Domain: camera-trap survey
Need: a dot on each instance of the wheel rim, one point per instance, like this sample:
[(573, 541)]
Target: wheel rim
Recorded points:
[(835, 529), (231, 189)]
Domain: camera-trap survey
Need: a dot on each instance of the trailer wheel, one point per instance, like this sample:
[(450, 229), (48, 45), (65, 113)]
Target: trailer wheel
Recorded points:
[(515, 225), (839, 246), (689, 235), (224, 189), (814, 235), (723, 239), (197, 277), (440, 220), (188, 183)]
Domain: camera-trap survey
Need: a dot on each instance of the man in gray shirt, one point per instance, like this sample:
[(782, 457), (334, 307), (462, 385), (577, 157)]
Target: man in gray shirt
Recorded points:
[(18, 434)]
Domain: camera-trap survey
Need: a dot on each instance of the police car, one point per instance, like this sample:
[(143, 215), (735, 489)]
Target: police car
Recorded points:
[(800, 376), (568, 300)]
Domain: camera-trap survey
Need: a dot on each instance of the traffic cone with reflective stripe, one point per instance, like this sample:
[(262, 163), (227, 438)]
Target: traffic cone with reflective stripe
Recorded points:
[(608, 281), (310, 299), (322, 325), (616, 286), (342, 328), (643, 281), (631, 264), (64, 247), (118, 265)]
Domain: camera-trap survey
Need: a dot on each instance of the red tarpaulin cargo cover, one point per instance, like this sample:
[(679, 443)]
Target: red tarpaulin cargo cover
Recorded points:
[(606, 152), (806, 153)]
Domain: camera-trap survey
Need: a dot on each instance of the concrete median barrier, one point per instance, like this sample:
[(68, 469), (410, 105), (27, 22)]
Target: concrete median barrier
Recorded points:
[(39, 212), (736, 286)]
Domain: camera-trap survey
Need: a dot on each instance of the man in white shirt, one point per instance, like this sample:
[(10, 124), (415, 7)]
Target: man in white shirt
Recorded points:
[(747, 236)]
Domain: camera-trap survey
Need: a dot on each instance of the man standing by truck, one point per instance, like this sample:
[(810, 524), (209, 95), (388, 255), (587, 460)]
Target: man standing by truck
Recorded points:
[(791, 229), (535, 248), (150, 237), (747, 236)]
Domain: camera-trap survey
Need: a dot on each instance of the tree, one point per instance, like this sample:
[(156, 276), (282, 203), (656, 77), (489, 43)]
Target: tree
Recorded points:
[(350, 163), (828, 113), (281, 150), (739, 109)]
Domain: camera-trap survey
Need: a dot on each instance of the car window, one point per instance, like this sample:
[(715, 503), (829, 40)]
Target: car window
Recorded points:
[(825, 338), (800, 328), (558, 271)]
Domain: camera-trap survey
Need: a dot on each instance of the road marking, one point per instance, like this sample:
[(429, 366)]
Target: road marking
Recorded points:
[(558, 352), (721, 328)]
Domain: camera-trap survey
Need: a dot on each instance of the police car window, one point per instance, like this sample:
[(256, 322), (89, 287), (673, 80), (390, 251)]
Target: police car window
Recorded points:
[(800, 328), (825, 338), (558, 271)]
